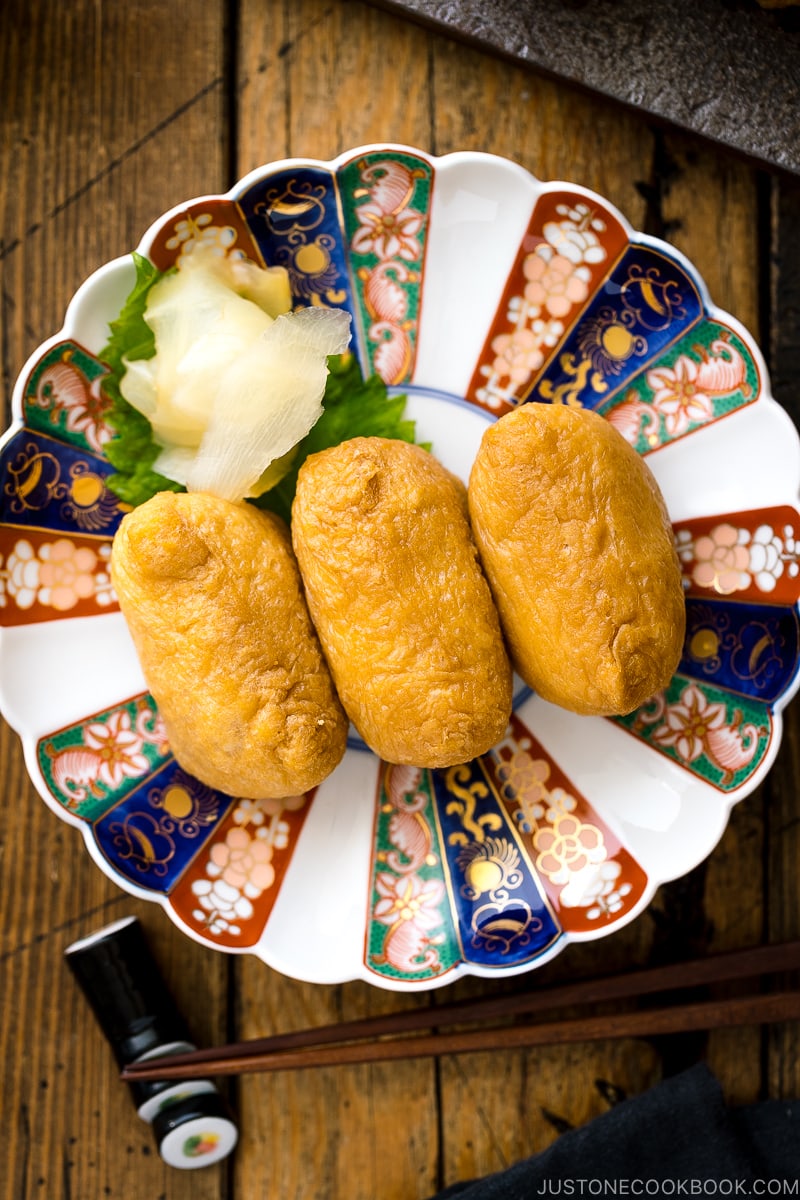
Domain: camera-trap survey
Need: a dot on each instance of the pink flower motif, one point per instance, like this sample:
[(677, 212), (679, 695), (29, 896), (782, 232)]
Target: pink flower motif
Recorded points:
[(676, 395), (66, 574), (525, 777), (555, 283), (576, 236), (200, 231), (243, 862), (519, 354), (569, 846), (605, 896), (388, 234), (22, 574), (285, 804), (408, 898), (767, 552), (119, 748), (689, 722), (721, 560)]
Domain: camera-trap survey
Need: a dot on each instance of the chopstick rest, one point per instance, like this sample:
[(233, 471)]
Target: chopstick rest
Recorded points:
[(191, 1122)]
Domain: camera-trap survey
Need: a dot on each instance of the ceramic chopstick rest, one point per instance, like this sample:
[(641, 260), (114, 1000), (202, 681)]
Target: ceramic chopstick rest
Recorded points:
[(191, 1121)]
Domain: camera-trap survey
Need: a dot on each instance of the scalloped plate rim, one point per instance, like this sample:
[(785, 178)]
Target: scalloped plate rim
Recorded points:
[(71, 326)]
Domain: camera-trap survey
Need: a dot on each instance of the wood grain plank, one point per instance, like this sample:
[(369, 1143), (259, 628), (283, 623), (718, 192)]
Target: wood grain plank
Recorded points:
[(783, 293), (501, 1108), (782, 806), (92, 153), (706, 203), (709, 204), (733, 908), (75, 1128), (96, 132), (484, 103), (781, 794), (313, 80), (359, 1131)]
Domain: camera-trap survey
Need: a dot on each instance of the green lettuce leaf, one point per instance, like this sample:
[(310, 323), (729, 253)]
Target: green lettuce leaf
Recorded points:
[(352, 407), (131, 336), (132, 450)]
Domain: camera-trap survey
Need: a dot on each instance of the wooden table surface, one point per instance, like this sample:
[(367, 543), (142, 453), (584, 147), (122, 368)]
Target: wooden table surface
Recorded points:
[(110, 114)]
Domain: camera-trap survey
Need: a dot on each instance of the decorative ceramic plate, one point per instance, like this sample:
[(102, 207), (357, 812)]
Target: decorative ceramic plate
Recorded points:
[(473, 288)]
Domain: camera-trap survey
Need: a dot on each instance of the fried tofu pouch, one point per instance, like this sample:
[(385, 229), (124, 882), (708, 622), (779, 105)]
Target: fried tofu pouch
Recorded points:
[(401, 605), (577, 545), (213, 599)]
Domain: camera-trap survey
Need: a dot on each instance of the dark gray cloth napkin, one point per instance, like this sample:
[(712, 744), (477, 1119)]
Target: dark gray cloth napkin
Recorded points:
[(677, 1139)]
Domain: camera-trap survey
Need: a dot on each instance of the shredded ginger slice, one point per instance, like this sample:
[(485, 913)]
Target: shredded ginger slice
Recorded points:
[(233, 387)]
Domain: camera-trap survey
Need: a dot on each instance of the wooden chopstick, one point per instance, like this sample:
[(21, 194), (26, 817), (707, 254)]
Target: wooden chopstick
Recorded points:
[(718, 968), (708, 1014)]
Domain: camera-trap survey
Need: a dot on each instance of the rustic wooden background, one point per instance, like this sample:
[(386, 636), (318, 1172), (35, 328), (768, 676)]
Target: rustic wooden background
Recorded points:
[(110, 114)]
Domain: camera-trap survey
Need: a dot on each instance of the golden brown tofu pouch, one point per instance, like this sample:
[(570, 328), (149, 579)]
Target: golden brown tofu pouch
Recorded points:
[(213, 599), (578, 548), (402, 608)]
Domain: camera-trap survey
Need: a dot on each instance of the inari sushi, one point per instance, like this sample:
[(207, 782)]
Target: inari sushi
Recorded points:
[(214, 603), (401, 605), (576, 542)]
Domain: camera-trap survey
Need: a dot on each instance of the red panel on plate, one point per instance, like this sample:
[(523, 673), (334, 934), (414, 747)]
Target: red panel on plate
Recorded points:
[(49, 576), (589, 877), (571, 244), (745, 555), (229, 890), (215, 223)]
